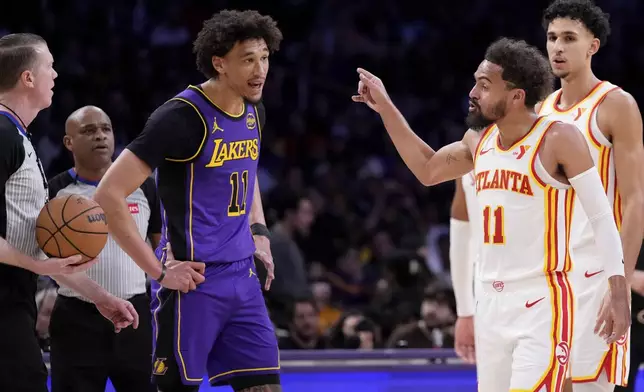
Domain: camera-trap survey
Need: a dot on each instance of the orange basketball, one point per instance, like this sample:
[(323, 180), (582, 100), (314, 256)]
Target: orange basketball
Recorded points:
[(72, 225)]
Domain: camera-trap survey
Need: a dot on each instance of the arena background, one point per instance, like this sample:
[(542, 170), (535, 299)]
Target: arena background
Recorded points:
[(377, 245)]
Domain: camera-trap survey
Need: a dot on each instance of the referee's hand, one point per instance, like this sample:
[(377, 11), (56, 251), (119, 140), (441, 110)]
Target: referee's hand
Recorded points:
[(56, 266), (119, 311)]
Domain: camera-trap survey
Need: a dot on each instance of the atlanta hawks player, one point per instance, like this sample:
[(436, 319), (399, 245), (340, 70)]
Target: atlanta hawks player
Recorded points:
[(528, 169), (464, 228), (611, 124)]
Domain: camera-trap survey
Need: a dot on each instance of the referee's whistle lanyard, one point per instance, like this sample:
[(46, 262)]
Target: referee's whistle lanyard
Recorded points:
[(17, 121)]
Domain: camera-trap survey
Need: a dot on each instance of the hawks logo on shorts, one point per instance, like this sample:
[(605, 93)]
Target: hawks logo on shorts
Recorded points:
[(563, 353), (622, 340)]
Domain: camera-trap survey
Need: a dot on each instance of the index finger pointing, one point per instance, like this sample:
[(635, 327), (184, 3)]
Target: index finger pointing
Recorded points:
[(366, 73)]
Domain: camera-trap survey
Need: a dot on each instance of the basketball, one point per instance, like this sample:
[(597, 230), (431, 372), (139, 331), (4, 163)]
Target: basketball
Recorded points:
[(71, 225)]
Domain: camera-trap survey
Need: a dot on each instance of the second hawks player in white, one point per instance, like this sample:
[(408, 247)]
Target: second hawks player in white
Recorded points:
[(611, 124), (528, 170)]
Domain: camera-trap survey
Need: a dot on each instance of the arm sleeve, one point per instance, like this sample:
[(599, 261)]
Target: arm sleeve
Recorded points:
[(12, 155), (150, 191), (461, 267), (174, 131), (590, 191)]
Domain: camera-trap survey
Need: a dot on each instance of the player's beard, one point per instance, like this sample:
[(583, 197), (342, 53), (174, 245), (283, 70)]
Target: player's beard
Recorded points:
[(477, 121), (253, 99)]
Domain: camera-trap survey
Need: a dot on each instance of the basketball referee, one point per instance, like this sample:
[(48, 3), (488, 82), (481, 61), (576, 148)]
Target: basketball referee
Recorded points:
[(26, 82), (85, 351)]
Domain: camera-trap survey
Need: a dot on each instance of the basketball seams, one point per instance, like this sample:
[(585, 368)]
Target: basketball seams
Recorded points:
[(74, 245), (57, 246), (73, 218), (51, 219), (66, 224), (87, 232), (51, 235), (46, 229), (62, 210)]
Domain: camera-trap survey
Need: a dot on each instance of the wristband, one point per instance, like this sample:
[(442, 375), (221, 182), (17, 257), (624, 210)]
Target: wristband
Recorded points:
[(163, 270), (260, 229)]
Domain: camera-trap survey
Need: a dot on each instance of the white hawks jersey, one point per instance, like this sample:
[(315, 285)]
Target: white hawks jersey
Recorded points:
[(584, 116), (525, 213)]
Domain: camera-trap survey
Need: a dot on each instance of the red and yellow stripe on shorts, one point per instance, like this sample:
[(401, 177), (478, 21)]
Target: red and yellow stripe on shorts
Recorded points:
[(614, 362), (558, 206)]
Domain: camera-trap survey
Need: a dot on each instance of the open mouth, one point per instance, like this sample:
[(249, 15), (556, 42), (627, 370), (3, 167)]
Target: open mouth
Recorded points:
[(256, 85), (559, 61), (100, 148), (472, 107)]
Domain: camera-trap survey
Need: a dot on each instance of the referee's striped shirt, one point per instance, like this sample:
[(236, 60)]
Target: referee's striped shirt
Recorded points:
[(23, 194), (115, 271)]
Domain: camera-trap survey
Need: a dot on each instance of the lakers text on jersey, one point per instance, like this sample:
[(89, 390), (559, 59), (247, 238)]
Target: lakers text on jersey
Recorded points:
[(214, 226)]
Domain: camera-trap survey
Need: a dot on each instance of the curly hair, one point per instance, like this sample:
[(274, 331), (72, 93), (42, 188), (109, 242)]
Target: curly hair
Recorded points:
[(17, 54), (524, 67), (224, 29), (584, 11)]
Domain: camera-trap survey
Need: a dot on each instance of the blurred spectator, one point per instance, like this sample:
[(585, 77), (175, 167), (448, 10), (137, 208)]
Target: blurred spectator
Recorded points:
[(400, 290), (328, 314), (352, 281), (295, 214), (304, 328), (435, 329), (355, 331)]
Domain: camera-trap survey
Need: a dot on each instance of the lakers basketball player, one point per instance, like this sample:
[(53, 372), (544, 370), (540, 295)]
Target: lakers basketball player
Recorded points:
[(463, 229), (528, 169), (611, 124)]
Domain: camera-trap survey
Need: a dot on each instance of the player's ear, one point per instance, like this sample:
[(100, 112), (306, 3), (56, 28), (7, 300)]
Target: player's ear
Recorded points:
[(67, 141), (518, 95), (594, 46), (218, 64)]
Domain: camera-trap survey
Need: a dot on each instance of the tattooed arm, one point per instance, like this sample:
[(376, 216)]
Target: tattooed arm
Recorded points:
[(429, 166)]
